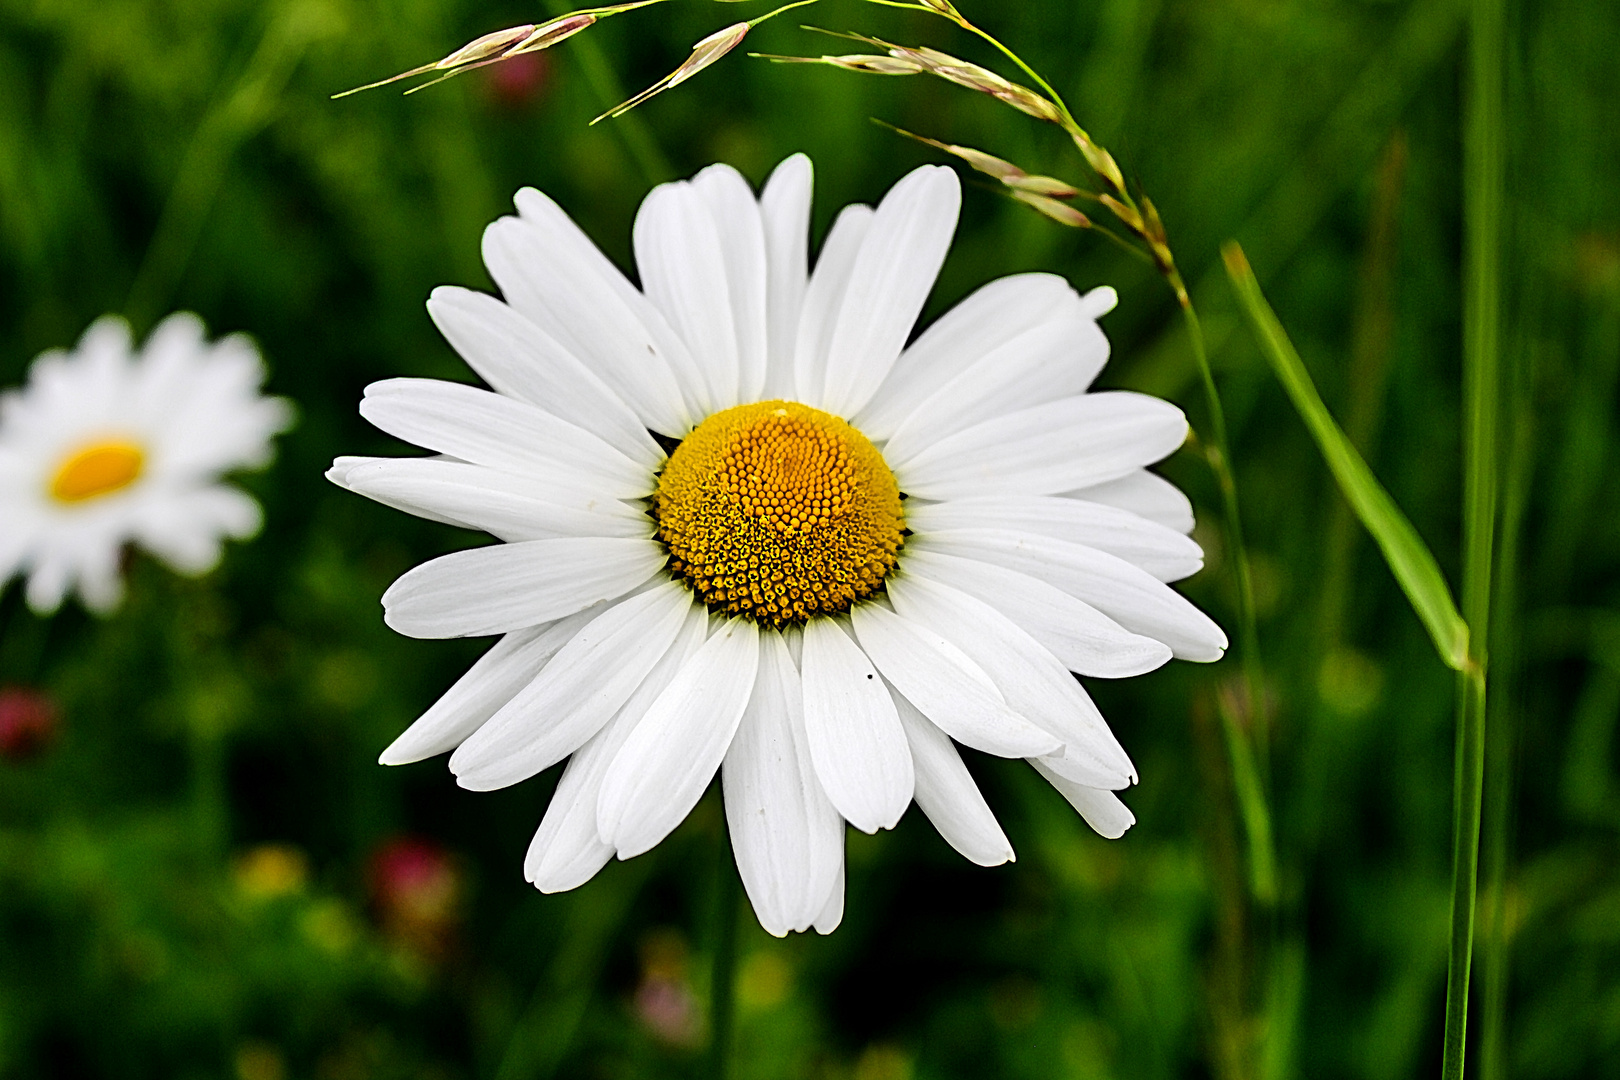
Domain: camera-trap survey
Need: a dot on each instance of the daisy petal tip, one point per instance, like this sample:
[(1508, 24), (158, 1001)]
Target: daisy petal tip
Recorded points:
[(798, 167), (1050, 746), (472, 781), (401, 752), (1204, 652), (445, 296), (1099, 302)]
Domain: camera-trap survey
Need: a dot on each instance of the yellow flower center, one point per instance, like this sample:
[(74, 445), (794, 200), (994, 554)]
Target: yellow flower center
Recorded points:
[(779, 512), (98, 469)]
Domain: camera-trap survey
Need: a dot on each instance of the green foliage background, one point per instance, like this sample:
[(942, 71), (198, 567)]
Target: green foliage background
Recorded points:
[(183, 154)]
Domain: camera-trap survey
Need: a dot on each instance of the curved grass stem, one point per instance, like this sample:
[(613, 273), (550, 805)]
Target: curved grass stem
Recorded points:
[(1249, 750)]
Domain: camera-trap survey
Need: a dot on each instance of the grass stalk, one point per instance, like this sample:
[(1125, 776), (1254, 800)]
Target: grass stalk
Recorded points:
[(1404, 551), (1501, 738), (1220, 459), (1483, 180)]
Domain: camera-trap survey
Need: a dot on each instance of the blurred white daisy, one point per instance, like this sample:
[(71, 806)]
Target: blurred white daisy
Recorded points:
[(749, 529), (106, 445)]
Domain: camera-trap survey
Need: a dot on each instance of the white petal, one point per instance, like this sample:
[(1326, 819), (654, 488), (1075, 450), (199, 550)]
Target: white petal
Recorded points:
[(495, 679), (819, 316), (100, 585), (986, 320), (1145, 494), (947, 794), (832, 912), (742, 241), (1033, 681), (588, 680), (491, 590), (510, 506), (660, 772), (1100, 301), (856, 741), (785, 832), (946, 685), (1055, 360), (556, 278), (567, 850), (520, 360), (1081, 637), (1102, 809), (899, 259), (184, 528), (683, 270), (343, 466), (784, 207), (502, 433), (47, 586), (1165, 553), (1130, 596), (652, 351), (1047, 449)]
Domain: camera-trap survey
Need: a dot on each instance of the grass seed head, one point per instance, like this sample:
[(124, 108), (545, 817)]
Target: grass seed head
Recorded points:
[(1060, 212), (704, 53)]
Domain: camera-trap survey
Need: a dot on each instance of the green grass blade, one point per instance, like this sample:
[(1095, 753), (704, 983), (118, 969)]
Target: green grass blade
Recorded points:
[(1408, 557)]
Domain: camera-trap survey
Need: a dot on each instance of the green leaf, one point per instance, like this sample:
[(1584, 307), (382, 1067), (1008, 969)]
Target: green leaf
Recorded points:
[(1408, 557)]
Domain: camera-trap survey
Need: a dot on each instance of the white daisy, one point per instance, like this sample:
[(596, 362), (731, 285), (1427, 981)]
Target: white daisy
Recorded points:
[(106, 445), (748, 529)]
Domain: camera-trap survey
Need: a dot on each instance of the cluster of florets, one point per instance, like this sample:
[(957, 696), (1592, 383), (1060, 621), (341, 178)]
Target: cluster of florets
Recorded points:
[(779, 512)]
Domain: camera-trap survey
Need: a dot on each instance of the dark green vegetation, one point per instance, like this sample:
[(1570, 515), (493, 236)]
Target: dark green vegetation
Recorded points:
[(158, 155)]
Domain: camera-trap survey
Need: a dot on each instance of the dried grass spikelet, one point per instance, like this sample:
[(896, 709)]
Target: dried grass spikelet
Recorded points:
[(943, 7), (1043, 193), (922, 60), (704, 53), (1060, 212), (500, 45)]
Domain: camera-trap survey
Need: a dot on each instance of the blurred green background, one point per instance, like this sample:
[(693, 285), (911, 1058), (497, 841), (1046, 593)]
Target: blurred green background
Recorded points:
[(203, 872)]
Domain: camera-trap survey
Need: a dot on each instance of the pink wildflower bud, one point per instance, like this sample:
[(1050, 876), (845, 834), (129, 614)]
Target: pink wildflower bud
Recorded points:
[(28, 722), (416, 890)]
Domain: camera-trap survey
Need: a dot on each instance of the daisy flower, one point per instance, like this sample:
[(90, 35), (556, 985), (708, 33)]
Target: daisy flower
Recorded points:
[(106, 445), (748, 528)]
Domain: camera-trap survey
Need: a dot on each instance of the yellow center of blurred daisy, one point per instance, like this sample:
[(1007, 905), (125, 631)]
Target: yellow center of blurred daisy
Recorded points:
[(98, 469), (779, 512)]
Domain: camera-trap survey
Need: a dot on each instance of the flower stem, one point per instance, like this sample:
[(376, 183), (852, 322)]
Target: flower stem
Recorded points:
[(540, 1041), (723, 978), (1482, 210)]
